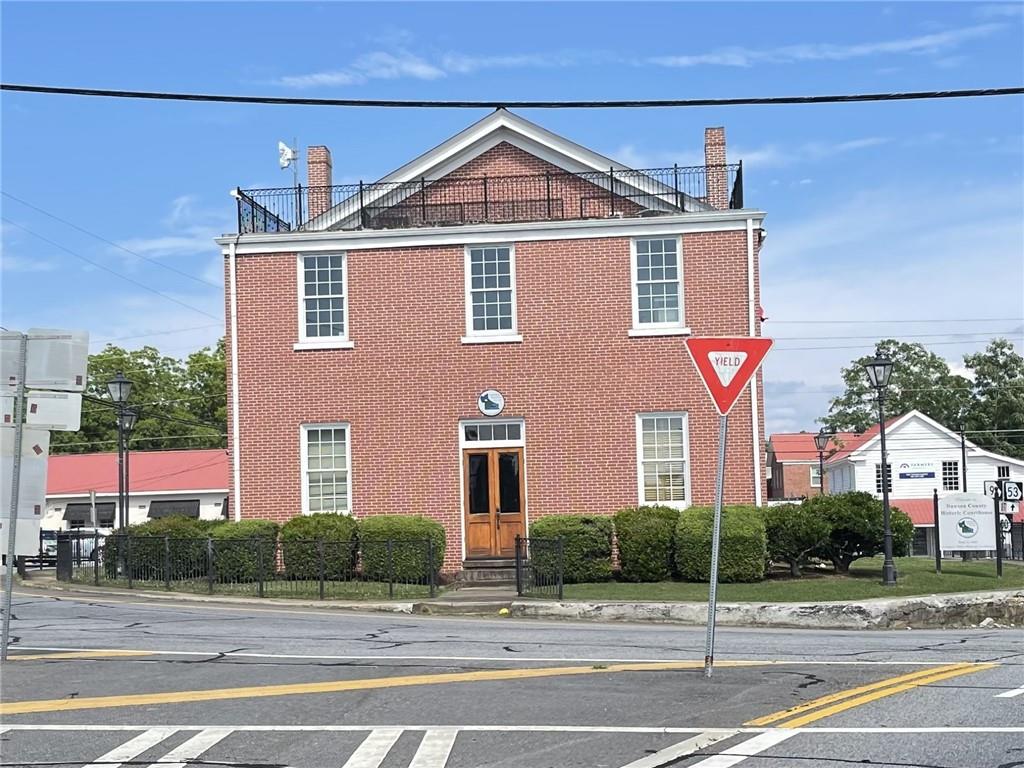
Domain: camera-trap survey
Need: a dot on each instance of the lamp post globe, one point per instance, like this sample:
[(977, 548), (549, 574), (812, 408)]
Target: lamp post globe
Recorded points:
[(119, 388), (878, 369), (131, 417), (821, 443)]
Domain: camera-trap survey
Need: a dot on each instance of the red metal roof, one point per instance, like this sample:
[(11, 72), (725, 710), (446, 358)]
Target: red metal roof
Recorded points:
[(799, 446), (856, 441), (922, 511), (150, 471)]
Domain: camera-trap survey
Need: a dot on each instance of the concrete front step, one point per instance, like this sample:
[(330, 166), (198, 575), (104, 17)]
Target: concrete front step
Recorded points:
[(488, 571)]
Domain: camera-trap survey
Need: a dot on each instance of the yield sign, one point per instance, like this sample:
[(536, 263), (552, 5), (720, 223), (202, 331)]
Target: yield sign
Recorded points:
[(726, 365)]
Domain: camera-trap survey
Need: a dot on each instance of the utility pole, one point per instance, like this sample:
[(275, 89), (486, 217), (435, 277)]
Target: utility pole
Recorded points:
[(12, 521)]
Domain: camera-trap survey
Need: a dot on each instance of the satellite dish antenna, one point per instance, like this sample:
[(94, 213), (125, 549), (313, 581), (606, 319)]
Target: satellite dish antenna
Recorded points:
[(286, 155)]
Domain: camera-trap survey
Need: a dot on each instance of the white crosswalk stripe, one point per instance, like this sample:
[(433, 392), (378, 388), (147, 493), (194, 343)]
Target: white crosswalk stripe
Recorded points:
[(373, 750), (682, 749), (193, 748), (435, 748), (132, 748)]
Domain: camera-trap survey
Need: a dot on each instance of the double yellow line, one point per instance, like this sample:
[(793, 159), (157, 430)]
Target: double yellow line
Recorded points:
[(801, 715)]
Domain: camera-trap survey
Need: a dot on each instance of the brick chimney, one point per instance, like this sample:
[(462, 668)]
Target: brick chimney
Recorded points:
[(318, 168), (717, 175)]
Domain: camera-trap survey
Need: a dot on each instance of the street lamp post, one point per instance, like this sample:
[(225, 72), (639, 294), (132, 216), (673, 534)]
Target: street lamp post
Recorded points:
[(879, 370), (821, 443), (119, 388), (131, 416)]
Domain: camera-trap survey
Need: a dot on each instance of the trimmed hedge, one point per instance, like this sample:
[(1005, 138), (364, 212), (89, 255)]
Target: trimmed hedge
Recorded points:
[(646, 539), (794, 531), (300, 548), (743, 552), (855, 520), (587, 547), (148, 555), (243, 549), (409, 549)]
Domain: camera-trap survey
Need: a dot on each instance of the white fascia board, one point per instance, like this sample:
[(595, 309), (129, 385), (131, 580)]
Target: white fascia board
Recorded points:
[(789, 462), (310, 242)]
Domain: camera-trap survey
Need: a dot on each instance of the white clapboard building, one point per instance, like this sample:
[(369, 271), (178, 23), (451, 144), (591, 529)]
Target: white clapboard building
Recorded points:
[(923, 457)]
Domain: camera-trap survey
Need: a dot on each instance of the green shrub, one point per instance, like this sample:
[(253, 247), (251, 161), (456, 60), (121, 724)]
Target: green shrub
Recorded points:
[(794, 531), (646, 536), (743, 550), (856, 527), (300, 547), (245, 550), (587, 548), (177, 541), (409, 559)]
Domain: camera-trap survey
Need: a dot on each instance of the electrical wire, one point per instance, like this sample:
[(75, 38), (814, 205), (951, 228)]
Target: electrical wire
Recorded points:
[(107, 269), (456, 104), (138, 439), (111, 242), (109, 339)]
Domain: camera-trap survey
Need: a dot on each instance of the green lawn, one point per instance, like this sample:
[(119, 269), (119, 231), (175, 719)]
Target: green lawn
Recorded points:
[(916, 576)]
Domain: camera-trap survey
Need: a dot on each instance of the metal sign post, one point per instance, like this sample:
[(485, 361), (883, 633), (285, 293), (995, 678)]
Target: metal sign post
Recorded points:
[(716, 538), (12, 520)]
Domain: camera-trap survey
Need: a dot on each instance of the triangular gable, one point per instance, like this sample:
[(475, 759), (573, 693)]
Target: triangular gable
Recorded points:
[(493, 133)]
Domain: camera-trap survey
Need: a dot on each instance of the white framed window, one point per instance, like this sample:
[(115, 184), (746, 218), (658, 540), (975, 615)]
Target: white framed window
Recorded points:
[(878, 477), (663, 459), (656, 266), (815, 476), (326, 468), (479, 434), (323, 301), (490, 294), (951, 475), (1002, 471)]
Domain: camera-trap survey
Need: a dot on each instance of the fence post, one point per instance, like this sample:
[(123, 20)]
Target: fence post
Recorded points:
[(561, 558), (320, 566), (519, 565), (391, 569), (167, 562), (362, 213), (129, 559), (259, 566), (675, 184), (611, 189), (96, 556), (209, 563), (423, 201), (487, 213), (547, 193), (430, 567)]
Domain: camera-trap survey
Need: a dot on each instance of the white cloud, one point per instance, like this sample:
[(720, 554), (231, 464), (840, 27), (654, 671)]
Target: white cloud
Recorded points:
[(192, 232), (20, 264), (1007, 10), (377, 65), (457, 63), (736, 56)]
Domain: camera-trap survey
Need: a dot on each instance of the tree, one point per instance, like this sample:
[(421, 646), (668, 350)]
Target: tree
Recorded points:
[(997, 398), (794, 531), (182, 403), (856, 529), (920, 380)]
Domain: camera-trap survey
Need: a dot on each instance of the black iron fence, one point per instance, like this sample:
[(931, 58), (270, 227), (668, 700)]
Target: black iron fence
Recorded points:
[(318, 569), (453, 200), (540, 565)]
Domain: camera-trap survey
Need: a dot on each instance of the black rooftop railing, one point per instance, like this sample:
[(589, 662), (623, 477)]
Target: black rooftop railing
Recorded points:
[(454, 200)]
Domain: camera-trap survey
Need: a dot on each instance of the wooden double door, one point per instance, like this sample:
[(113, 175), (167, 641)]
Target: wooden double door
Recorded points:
[(494, 501)]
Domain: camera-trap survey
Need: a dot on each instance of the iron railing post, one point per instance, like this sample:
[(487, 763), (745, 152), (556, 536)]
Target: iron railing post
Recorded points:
[(320, 566), (298, 202), (430, 567), (519, 565), (561, 563), (611, 189), (167, 562), (259, 567), (96, 556), (391, 569), (423, 200), (675, 184), (362, 213), (209, 563), (487, 211), (128, 559)]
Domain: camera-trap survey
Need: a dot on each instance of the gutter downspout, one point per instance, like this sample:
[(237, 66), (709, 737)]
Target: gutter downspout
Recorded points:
[(755, 417), (236, 459)]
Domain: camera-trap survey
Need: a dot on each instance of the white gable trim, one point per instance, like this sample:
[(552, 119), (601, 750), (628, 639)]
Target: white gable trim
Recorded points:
[(500, 126)]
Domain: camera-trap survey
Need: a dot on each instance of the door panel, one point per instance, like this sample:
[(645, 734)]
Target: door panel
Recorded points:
[(479, 524), (494, 501), (509, 507)]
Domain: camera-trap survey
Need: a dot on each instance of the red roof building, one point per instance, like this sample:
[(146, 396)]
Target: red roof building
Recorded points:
[(793, 463)]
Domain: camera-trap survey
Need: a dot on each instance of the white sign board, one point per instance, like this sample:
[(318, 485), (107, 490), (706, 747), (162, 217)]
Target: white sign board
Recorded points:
[(966, 522), (27, 541), (7, 410), (915, 470), (57, 359), (54, 410), (35, 450)]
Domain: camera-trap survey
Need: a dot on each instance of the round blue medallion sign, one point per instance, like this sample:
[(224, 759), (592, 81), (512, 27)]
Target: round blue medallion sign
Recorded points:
[(490, 402)]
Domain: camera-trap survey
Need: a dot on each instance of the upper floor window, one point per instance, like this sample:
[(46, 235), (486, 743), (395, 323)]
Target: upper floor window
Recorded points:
[(662, 455), (951, 475), (491, 292), (1003, 470), (878, 478), (657, 283), (323, 309)]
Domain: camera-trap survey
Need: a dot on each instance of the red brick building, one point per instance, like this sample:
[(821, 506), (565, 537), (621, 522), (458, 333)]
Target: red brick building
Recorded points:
[(794, 467), (490, 334)]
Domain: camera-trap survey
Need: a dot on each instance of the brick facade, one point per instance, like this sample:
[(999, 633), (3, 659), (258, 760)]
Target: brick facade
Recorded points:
[(577, 378)]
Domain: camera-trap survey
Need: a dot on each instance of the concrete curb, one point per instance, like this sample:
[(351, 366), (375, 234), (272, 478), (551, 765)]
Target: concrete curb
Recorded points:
[(958, 610)]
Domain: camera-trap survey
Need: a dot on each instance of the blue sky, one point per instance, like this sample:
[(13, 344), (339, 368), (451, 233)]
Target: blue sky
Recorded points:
[(893, 211)]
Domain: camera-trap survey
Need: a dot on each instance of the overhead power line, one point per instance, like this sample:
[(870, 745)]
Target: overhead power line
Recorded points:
[(601, 104), (102, 239)]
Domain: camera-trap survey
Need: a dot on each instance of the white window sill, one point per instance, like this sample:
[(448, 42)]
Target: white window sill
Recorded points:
[(660, 332), (512, 338), (302, 345)]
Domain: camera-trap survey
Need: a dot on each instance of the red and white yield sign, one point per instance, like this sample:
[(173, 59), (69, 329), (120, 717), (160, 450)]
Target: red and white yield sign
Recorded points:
[(726, 364)]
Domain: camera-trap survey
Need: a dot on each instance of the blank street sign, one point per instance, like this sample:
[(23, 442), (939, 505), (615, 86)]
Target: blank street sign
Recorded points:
[(57, 359), (61, 411), (35, 450)]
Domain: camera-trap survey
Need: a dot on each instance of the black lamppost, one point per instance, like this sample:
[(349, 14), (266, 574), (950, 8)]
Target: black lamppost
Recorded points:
[(879, 370), (131, 416), (119, 388), (821, 443)]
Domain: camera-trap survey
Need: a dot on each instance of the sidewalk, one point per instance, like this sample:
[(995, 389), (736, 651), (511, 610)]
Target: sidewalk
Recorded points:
[(971, 609)]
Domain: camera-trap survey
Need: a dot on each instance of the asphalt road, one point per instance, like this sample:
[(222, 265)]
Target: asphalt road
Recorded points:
[(118, 681)]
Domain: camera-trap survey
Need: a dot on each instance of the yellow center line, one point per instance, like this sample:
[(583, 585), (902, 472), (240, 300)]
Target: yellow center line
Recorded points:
[(820, 702), (335, 686), (95, 654)]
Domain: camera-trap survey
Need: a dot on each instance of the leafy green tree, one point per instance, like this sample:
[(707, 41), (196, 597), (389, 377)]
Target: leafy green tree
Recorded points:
[(856, 527), (182, 403), (921, 380), (794, 531), (997, 398)]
